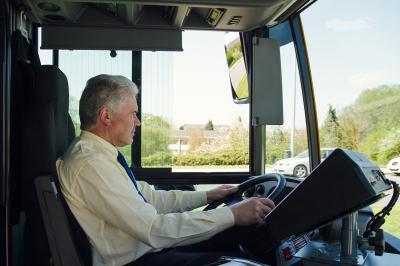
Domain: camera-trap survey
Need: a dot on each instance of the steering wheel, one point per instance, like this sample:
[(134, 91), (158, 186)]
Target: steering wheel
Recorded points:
[(254, 180)]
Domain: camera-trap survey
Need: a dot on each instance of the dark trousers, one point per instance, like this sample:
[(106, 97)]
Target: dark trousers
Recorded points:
[(203, 253)]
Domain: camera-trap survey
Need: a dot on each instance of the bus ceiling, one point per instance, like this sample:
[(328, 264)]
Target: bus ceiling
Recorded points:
[(144, 25)]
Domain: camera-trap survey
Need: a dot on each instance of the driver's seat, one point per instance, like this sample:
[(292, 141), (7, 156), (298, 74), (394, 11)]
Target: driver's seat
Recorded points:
[(47, 132)]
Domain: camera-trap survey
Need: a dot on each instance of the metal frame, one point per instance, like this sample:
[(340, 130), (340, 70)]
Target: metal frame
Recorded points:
[(291, 31), (136, 147), (163, 176), (7, 15), (56, 57), (307, 89), (257, 133)]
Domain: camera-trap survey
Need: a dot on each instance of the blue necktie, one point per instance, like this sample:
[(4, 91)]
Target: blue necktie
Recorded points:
[(128, 170)]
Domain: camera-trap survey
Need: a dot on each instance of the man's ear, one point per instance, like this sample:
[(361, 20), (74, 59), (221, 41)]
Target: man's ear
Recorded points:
[(105, 116)]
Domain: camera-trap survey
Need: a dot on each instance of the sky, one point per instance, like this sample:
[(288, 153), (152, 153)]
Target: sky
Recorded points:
[(202, 89), (352, 45)]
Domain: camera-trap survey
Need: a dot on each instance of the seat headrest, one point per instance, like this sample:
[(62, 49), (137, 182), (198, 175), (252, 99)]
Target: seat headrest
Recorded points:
[(52, 86)]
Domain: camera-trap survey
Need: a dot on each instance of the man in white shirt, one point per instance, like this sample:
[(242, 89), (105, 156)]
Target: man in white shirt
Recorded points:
[(128, 221)]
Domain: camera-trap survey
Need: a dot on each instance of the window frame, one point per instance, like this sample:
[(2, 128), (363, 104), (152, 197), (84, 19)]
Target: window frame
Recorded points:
[(307, 90), (291, 31)]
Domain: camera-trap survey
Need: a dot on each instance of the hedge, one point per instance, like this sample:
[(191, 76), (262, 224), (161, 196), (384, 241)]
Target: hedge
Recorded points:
[(228, 157)]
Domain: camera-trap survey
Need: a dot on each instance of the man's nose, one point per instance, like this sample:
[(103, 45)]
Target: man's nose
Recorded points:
[(137, 122)]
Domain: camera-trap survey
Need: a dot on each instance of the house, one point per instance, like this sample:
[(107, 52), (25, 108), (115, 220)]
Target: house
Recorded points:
[(191, 136)]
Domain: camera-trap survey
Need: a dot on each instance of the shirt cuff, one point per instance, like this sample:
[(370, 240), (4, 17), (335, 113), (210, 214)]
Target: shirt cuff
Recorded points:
[(199, 198), (224, 216)]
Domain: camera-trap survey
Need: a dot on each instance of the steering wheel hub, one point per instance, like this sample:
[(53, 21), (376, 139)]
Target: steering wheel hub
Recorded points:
[(251, 182)]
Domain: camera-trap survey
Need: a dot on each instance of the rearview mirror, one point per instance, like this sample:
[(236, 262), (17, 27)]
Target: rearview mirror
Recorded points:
[(266, 91), (237, 68)]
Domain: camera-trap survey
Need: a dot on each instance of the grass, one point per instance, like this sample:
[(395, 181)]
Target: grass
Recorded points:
[(392, 224), (242, 91)]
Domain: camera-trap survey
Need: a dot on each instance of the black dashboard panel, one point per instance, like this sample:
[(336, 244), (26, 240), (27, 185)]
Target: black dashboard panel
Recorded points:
[(343, 183)]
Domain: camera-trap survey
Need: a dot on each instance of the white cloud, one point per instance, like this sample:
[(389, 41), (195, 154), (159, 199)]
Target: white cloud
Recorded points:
[(341, 25)]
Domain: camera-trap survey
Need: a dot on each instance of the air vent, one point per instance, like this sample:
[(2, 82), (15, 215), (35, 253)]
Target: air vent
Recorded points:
[(235, 20), (106, 8)]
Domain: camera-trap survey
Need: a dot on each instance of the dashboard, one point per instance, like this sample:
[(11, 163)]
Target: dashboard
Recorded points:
[(307, 223)]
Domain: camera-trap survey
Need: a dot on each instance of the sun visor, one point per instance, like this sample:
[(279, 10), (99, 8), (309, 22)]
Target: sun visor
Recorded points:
[(118, 38)]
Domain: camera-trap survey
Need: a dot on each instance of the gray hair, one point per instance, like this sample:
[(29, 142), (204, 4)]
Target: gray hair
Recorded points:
[(103, 91)]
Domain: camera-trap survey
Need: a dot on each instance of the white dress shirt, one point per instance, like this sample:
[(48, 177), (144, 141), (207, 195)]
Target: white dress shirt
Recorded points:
[(120, 226)]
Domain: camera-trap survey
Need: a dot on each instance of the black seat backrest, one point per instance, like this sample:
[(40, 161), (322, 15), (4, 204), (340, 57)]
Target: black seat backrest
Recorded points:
[(59, 235), (47, 132)]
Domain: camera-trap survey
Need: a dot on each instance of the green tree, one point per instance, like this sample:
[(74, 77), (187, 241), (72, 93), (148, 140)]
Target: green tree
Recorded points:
[(156, 135), (389, 146), (379, 115), (277, 142), (379, 107), (330, 133), (350, 128), (209, 125), (300, 140), (238, 137), (370, 125)]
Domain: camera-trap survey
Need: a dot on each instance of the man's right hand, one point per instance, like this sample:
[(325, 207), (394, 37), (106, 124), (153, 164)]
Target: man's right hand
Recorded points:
[(252, 211)]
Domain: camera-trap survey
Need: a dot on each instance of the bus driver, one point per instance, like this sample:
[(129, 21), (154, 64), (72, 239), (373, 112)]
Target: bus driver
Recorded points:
[(128, 221)]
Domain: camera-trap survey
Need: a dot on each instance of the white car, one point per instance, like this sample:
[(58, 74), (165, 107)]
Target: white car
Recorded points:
[(298, 166), (394, 166)]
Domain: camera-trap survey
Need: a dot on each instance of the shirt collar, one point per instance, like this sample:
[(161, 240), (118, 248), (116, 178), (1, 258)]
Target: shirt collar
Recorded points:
[(102, 143)]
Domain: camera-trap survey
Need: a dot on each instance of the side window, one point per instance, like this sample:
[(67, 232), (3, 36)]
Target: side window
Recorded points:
[(354, 58), (45, 55), (189, 121), (79, 66), (286, 145)]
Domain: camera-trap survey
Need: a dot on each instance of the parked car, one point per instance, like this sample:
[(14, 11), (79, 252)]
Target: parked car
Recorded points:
[(394, 166), (298, 166)]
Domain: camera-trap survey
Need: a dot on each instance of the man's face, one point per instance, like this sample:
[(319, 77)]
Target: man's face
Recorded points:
[(124, 123)]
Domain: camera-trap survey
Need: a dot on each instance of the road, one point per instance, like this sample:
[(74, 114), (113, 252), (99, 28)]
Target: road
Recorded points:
[(236, 72)]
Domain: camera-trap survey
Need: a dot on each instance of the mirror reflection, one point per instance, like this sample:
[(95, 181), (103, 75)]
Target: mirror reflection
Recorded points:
[(236, 65)]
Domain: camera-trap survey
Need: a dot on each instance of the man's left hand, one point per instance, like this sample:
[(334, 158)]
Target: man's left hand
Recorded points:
[(220, 192)]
